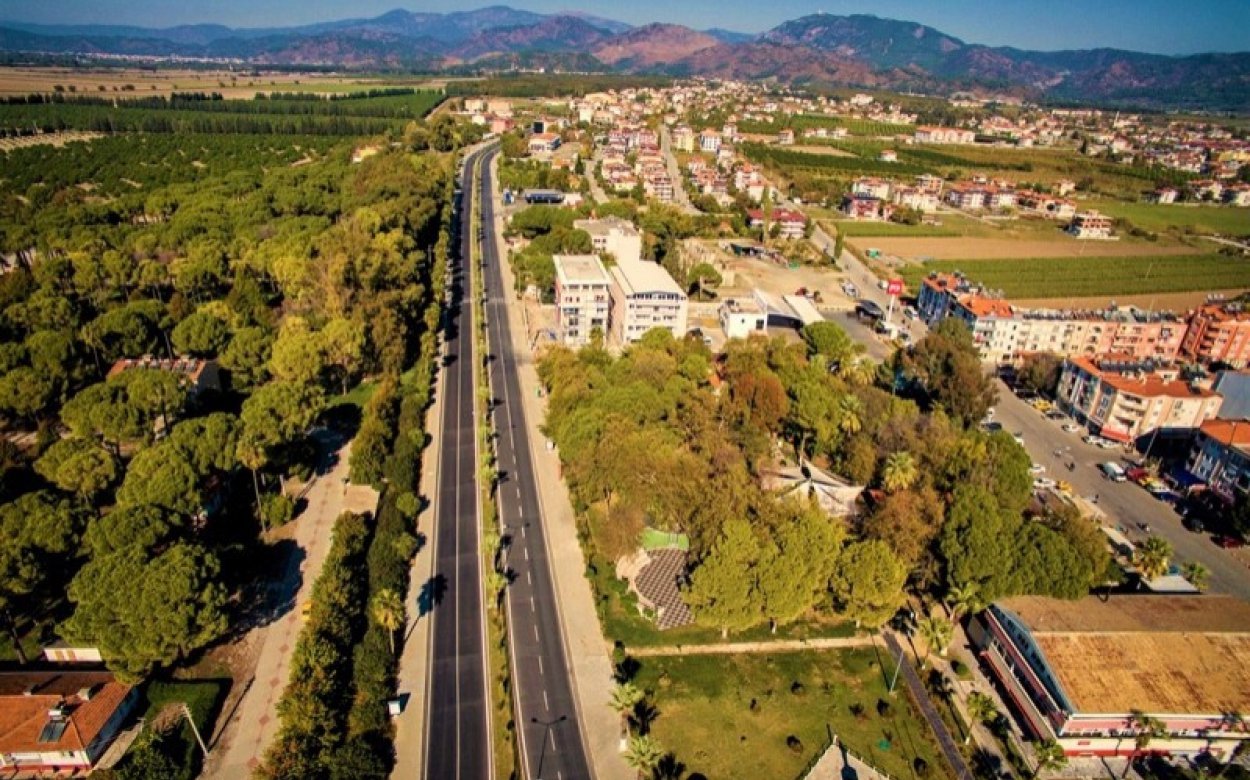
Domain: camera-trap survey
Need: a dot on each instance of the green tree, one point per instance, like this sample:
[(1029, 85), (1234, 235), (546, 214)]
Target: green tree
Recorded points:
[(947, 365), (936, 631), (208, 443), (963, 600), (161, 476), (701, 277), (722, 590), (1197, 574), (830, 341), (981, 708), (38, 537), (78, 466), (1146, 729), (1040, 372), (899, 472), (644, 754), (298, 355), (247, 356), (144, 612), (387, 610), (794, 571), (978, 543), (26, 393), (202, 335), (144, 527), (868, 586), (908, 521), (1152, 558), (343, 344)]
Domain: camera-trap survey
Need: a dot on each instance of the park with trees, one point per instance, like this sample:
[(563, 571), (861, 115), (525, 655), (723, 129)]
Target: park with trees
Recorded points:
[(133, 508), (648, 440)]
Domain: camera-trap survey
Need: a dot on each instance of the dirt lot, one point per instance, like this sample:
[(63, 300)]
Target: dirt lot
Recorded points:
[(88, 81), (828, 151), (1178, 302), (996, 248)]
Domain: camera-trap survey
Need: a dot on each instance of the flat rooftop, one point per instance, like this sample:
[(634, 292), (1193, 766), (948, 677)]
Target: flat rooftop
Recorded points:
[(643, 276), (1176, 654), (580, 269)]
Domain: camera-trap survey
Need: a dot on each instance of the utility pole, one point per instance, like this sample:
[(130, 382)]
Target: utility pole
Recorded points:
[(186, 711), (897, 667)]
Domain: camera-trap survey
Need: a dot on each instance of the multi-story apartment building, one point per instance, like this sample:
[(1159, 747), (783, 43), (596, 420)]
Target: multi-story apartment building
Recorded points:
[(1219, 332), (1127, 400), (1005, 333), (644, 297), (872, 187), (1044, 205), (683, 138), (613, 235), (1220, 457), (583, 298), (710, 141)]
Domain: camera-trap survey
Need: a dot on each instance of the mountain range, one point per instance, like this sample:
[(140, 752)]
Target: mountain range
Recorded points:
[(821, 49)]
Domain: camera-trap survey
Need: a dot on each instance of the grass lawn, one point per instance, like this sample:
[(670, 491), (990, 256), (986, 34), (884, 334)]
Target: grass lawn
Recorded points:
[(203, 698), (358, 396), (655, 539), (1225, 220), (1075, 277), (731, 716), (621, 622)]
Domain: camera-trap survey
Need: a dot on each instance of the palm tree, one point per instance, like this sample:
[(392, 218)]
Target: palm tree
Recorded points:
[(644, 754), (850, 414), (1049, 756), (936, 632), (981, 709), (900, 472), (625, 697), (964, 600), (388, 610), (1152, 558), (1197, 574)]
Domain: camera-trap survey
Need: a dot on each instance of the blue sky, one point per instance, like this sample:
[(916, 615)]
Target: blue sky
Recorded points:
[(1164, 26)]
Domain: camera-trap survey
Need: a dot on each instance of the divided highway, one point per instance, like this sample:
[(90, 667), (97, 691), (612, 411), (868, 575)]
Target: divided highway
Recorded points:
[(458, 741), (551, 739)]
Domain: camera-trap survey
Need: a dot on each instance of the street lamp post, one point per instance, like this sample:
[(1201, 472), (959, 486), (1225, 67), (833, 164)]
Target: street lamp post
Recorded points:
[(542, 752)]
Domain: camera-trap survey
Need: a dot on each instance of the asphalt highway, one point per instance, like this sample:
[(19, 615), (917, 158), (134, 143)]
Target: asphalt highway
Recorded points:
[(458, 738), (551, 741)]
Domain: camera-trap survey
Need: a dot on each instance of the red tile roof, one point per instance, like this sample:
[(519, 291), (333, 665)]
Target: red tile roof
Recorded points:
[(23, 715), (1234, 432)]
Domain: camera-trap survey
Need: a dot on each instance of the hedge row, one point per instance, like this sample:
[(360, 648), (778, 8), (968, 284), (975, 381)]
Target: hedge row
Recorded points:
[(313, 708)]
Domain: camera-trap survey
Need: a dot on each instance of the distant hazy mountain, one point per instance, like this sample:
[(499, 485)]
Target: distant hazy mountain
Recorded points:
[(858, 50)]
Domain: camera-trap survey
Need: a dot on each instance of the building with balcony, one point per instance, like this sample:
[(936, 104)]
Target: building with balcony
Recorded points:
[(1220, 457), (644, 297), (583, 298), (1134, 402), (1083, 672), (1219, 333)]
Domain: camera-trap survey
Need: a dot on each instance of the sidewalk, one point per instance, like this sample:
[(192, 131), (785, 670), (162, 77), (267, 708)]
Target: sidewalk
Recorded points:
[(946, 743), (586, 648), (414, 655), (779, 646), (254, 722)]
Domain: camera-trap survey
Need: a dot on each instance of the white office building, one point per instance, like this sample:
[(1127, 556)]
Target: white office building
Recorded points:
[(583, 298), (644, 297), (614, 235)]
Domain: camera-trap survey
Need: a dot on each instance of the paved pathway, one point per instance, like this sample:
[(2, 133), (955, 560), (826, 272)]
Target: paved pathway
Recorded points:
[(587, 651), (838, 763), (779, 646), (680, 197), (254, 721), (945, 741)]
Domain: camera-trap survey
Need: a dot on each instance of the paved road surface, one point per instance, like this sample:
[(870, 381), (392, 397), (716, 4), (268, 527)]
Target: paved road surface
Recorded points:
[(680, 197), (912, 680), (458, 741), (551, 740)]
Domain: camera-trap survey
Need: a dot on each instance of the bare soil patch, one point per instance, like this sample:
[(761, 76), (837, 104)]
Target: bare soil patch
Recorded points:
[(1006, 248), (1161, 302)]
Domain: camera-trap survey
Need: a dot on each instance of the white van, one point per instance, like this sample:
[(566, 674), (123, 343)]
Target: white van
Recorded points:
[(1113, 472)]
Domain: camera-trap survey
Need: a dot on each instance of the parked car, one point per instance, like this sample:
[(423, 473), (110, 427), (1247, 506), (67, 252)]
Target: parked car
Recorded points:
[(1107, 444), (1036, 469), (1229, 542), (1044, 483), (1019, 437), (1090, 438), (1071, 427), (1194, 524), (1113, 471)]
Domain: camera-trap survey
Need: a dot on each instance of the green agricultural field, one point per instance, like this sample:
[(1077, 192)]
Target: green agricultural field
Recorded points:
[(1077, 277), (731, 716), (1223, 220)]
